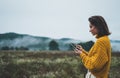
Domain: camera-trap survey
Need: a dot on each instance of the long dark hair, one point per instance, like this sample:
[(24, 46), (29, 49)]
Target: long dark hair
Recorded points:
[(100, 24)]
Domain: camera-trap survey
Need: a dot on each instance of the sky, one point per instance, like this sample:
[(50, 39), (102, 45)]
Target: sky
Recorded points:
[(58, 18)]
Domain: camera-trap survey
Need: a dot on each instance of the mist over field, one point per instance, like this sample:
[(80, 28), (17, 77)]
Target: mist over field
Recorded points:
[(42, 43)]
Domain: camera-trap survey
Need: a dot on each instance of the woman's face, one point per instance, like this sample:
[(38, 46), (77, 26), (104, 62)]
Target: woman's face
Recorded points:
[(93, 29)]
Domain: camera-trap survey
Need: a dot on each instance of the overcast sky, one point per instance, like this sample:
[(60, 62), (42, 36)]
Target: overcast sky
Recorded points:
[(58, 18)]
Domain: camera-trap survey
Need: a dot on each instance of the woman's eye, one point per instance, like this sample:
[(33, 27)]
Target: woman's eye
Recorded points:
[(90, 26)]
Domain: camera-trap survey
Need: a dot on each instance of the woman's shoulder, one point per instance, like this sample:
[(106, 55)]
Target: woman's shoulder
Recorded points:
[(103, 40)]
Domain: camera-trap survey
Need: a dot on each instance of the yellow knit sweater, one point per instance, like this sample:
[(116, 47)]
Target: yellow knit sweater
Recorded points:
[(98, 59)]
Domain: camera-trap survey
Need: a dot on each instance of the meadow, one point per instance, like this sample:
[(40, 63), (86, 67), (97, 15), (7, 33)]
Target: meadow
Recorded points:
[(48, 64)]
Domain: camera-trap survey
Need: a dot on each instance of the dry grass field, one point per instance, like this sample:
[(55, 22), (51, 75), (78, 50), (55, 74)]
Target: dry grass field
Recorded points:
[(47, 64)]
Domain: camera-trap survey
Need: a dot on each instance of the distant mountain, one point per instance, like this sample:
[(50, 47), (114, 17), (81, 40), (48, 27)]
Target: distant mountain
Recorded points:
[(12, 35), (32, 42), (41, 43)]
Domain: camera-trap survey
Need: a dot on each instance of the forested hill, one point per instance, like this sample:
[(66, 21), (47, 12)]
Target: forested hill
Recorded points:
[(12, 35)]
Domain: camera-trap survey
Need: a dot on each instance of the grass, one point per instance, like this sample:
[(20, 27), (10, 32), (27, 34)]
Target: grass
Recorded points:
[(47, 64)]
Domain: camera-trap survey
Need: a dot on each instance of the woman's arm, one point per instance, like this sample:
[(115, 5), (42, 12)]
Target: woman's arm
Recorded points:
[(97, 60)]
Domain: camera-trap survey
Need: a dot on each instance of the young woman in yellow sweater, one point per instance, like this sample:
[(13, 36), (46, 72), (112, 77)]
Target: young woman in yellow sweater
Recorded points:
[(98, 59)]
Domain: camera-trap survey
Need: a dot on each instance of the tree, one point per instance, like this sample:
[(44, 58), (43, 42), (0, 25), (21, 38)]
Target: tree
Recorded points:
[(53, 45)]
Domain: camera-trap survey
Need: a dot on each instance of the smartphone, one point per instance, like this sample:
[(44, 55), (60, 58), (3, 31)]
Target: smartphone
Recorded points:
[(74, 46)]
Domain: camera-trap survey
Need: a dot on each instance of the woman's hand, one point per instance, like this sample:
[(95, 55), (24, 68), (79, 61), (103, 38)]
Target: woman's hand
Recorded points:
[(78, 49)]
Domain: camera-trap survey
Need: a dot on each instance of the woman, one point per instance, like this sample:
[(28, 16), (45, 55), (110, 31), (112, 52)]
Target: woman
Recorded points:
[(98, 59)]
